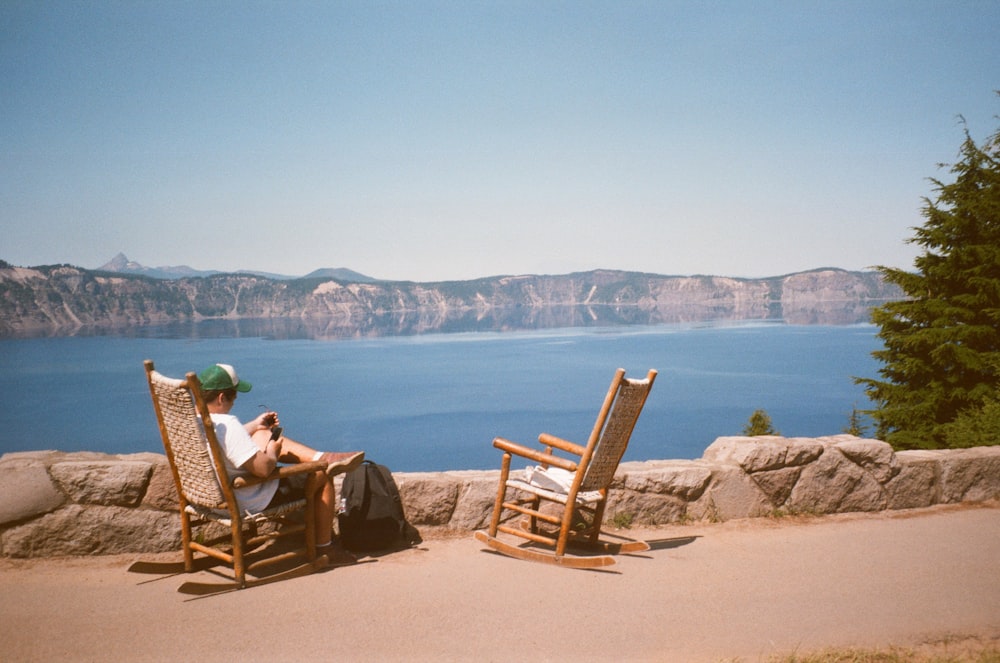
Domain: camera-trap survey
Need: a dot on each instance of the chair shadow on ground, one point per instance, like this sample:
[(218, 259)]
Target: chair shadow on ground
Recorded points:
[(664, 544), (671, 543), (221, 579), (204, 565), (654, 545)]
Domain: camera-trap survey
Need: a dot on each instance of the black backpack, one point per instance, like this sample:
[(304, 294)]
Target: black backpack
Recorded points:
[(371, 515)]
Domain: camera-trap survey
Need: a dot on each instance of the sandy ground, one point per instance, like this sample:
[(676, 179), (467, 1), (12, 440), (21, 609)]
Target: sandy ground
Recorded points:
[(705, 592)]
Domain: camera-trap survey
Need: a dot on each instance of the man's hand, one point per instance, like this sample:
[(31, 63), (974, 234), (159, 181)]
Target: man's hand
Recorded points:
[(264, 421)]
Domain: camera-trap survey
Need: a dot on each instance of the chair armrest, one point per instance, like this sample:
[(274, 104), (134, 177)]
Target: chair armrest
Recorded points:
[(538, 456), (559, 443), (280, 472)]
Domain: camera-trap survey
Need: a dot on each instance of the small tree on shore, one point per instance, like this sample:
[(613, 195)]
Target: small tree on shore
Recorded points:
[(759, 424), (855, 423), (941, 357)]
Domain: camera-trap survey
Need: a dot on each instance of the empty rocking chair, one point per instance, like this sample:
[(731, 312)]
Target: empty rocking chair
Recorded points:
[(578, 485)]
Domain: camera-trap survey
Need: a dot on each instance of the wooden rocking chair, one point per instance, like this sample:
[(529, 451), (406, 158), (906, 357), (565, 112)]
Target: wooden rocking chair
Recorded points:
[(584, 491), (206, 491)]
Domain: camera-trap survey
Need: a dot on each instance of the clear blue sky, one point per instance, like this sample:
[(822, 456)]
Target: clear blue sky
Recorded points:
[(451, 140)]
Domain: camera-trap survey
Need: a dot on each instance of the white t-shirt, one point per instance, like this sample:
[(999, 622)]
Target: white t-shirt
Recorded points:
[(239, 447)]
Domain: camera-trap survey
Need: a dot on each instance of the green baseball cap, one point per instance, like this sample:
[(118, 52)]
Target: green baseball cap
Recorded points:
[(219, 377)]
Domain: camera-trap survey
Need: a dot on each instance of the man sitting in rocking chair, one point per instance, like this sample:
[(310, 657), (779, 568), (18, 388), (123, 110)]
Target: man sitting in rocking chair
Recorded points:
[(255, 448)]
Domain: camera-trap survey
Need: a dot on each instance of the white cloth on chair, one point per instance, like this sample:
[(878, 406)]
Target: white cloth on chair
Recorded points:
[(555, 479)]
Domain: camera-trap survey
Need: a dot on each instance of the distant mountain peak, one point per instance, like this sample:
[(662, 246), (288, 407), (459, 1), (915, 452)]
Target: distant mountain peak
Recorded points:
[(341, 274), (120, 264)]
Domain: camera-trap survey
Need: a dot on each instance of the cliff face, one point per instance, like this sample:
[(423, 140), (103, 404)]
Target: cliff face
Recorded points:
[(57, 300)]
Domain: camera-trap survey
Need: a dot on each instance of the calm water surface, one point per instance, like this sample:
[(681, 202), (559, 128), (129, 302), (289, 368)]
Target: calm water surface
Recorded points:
[(435, 402)]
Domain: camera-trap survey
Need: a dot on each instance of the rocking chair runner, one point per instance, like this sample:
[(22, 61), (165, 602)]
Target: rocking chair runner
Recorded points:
[(585, 495), (206, 491)]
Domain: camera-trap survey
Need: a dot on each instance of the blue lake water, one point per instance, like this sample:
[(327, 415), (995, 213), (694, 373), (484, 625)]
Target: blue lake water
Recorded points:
[(435, 402)]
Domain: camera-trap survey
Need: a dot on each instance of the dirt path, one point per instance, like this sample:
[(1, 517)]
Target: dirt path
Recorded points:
[(744, 589)]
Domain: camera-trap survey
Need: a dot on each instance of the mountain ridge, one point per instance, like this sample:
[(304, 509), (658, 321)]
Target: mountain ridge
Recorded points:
[(64, 299), (121, 264)]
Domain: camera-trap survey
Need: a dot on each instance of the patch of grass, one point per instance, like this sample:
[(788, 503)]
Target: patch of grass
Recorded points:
[(946, 651), (789, 512), (686, 519), (622, 520)]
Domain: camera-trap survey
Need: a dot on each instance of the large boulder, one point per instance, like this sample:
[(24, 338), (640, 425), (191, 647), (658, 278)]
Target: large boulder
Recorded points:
[(643, 508), (731, 494), (654, 492), (106, 482), (970, 475), (764, 452), (428, 498), (835, 484), (918, 481), (27, 490), (161, 492), (93, 530), (477, 492), (874, 456), (777, 484), (685, 479)]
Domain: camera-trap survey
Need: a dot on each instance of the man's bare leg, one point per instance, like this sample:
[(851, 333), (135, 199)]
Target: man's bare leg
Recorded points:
[(337, 462), (325, 497)]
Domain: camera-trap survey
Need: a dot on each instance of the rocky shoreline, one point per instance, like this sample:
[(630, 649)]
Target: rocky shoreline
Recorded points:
[(88, 503)]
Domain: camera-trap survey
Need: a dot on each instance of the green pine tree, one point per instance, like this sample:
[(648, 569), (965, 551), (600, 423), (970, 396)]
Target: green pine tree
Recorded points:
[(975, 427), (941, 355), (759, 424)]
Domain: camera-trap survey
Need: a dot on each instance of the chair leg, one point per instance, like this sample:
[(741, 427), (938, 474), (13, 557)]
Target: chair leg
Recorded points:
[(598, 522), (186, 540), (564, 528), (501, 494), (312, 487), (239, 564), (536, 504)]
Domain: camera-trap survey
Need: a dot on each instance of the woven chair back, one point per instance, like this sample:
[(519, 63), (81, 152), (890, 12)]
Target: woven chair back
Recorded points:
[(185, 441), (616, 433)]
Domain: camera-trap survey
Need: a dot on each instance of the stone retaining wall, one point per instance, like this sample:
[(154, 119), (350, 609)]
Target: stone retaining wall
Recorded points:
[(54, 503)]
